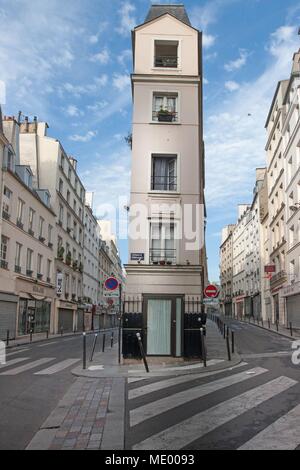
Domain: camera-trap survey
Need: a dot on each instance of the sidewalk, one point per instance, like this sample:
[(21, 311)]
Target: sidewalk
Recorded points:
[(91, 416)]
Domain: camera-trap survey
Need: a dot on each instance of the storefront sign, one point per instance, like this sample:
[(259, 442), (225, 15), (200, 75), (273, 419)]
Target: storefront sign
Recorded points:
[(270, 269), (137, 256), (59, 283)]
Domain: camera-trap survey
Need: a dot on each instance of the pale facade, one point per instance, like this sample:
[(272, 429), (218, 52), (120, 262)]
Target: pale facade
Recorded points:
[(291, 157), (167, 171), (91, 257), (27, 299), (226, 271), (55, 170)]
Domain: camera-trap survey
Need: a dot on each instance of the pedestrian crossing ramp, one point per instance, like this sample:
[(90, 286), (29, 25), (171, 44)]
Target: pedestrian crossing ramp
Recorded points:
[(254, 409), (45, 366)]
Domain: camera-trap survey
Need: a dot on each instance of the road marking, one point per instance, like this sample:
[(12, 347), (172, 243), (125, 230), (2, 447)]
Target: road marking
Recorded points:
[(58, 367), (270, 354), (14, 361), (150, 410), (47, 344), (211, 362), (17, 352), (180, 435), (283, 434), (132, 380), (31, 365), (154, 387)]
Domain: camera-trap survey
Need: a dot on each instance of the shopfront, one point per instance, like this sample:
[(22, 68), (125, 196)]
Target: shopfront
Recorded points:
[(257, 306), (292, 295), (239, 307), (34, 315)]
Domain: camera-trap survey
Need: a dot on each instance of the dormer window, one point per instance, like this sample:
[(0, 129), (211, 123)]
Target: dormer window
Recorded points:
[(166, 54)]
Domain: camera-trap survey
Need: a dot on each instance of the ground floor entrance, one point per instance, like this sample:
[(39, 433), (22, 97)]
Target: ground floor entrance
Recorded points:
[(34, 316)]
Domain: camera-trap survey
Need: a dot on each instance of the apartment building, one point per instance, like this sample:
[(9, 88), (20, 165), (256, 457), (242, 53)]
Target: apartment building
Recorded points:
[(239, 261), (291, 163), (27, 298), (277, 204), (164, 271), (226, 272), (54, 169)]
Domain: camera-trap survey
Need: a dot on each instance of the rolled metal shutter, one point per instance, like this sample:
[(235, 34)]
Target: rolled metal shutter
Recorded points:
[(80, 320), (65, 320), (8, 316), (293, 310)]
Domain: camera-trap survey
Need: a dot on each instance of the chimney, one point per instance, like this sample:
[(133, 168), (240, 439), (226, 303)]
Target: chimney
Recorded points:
[(26, 124)]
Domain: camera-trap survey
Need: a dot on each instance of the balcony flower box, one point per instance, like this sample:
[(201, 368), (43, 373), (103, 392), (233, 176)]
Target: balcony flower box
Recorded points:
[(31, 232), (42, 239), (29, 273), (162, 263), (165, 116)]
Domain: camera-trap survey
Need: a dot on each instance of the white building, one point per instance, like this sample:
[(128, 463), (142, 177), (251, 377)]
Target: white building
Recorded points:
[(55, 170), (167, 175), (226, 270)]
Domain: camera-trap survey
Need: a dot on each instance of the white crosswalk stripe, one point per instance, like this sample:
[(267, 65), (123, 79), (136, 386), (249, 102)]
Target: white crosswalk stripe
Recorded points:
[(283, 434), (29, 366), (20, 351), (156, 386), (187, 431), (60, 366), (14, 361), (158, 407)]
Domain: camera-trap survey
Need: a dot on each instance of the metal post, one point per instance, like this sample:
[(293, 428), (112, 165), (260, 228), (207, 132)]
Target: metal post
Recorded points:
[(31, 332), (112, 339), (269, 323), (232, 342), (47, 334), (224, 331), (94, 347), (61, 331), (277, 326), (120, 324), (142, 352), (203, 348), (103, 343), (291, 328), (262, 322), (84, 351), (7, 338), (228, 348)]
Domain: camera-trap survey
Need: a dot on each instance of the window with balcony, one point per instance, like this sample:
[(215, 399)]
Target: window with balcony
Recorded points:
[(61, 186), (61, 215), (162, 244), (166, 54), (4, 252), (29, 257), (49, 270), (20, 212), (39, 267), (164, 173), (50, 232), (165, 107), (18, 258), (31, 222), (41, 230)]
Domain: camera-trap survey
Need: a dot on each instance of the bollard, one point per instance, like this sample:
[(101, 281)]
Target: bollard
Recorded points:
[(142, 352), (61, 331), (269, 323), (103, 344), (31, 332), (203, 348), (262, 322), (224, 331), (291, 328), (94, 347), (277, 326), (7, 338), (228, 348), (47, 334), (84, 351), (232, 342), (112, 339)]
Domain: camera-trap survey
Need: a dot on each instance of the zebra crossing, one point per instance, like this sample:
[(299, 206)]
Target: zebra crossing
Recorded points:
[(180, 413), (20, 365)]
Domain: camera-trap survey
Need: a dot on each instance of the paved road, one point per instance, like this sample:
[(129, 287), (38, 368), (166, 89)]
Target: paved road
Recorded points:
[(254, 406), (32, 382)]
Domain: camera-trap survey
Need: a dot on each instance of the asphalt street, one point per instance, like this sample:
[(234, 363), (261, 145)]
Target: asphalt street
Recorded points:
[(256, 405)]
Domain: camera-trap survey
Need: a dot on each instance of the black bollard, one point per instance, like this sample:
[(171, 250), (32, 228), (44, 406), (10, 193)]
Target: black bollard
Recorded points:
[(84, 351)]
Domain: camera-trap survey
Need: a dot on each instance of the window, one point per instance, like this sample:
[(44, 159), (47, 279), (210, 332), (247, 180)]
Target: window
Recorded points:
[(67, 288), (18, 257), (165, 107), (164, 173), (31, 220), (4, 252), (61, 214), (166, 54), (29, 271), (41, 228), (74, 205), (68, 222), (28, 178), (50, 231), (68, 196), (9, 160), (20, 211), (62, 163), (7, 192), (49, 267), (69, 173), (39, 264), (61, 186), (162, 248)]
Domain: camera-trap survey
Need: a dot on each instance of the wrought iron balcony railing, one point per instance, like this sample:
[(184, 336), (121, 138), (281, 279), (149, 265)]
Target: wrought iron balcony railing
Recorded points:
[(168, 61), (162, 257), (164, 183)]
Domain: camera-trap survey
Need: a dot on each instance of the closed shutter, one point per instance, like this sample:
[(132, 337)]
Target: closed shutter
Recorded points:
[(257, 306), (65, 320), (8, 315), (80, 320), (293, 310)]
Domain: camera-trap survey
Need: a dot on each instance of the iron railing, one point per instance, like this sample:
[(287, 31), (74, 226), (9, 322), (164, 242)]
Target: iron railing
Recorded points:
[(166, 61), (162, 256), (164, 183)]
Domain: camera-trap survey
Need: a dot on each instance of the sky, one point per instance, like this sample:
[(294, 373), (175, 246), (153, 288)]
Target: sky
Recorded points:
[(69, 64)]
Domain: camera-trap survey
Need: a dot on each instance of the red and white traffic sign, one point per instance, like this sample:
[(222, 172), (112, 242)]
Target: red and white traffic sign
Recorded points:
[(111, 284), (211, 292)]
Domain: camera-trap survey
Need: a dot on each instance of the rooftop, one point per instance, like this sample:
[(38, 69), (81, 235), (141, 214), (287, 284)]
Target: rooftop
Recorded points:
[(176, 10)]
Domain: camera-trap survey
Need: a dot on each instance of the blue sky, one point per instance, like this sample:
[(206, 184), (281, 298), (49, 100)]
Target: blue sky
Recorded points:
[(69, 64)]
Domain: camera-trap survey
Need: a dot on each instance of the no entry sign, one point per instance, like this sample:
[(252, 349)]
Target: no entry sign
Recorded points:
[(211, 292), (111, 284)]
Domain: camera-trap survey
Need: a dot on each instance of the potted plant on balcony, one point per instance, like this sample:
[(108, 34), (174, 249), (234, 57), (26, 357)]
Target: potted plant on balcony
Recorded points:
[(69, 258), (162, 262), (60, 253), (164, 115)]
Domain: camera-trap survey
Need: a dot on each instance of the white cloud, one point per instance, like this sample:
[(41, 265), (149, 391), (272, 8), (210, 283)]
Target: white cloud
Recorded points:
[(128, 20), (102, 57), (232, 86), (208, 40), (238, 63), (235, 141), (125, 56), (83, 138), (205, 81), (121, 82), (73, 111), (85, 89)]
